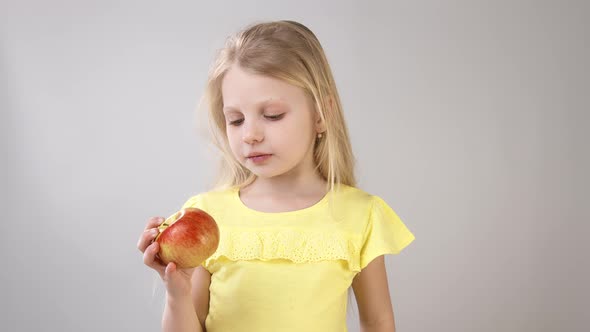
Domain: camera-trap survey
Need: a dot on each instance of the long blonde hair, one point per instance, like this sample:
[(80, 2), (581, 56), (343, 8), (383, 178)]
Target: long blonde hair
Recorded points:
[(289, 51)]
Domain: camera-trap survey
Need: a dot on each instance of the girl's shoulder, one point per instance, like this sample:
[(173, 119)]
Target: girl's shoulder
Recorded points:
[(354, 196)]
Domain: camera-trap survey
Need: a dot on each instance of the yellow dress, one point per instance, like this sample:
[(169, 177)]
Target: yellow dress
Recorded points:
[(291, 271)]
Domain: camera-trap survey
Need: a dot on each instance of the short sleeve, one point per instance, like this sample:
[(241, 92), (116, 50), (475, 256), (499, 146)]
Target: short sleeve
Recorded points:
[(385, 233)]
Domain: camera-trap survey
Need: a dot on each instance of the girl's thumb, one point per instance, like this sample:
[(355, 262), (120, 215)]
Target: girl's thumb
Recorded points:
[(170, 268)]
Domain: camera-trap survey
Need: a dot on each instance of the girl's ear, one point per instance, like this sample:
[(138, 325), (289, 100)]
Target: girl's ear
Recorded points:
[(320, 126)]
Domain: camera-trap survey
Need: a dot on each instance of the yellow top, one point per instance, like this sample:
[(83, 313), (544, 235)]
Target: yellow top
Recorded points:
[(291, 271)]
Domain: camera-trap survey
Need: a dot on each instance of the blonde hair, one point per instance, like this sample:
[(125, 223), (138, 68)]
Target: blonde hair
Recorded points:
[(289, 51)]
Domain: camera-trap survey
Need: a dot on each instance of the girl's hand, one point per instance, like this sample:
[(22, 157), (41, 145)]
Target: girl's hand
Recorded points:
[(177, 282)]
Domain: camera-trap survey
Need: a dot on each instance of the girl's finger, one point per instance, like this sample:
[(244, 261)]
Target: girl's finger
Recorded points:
[(154, 222), (146, 238), (149, 259), (170, 268), (169, 271)]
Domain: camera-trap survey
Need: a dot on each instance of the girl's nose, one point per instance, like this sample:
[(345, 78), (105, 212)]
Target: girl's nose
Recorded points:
[(252, 132)]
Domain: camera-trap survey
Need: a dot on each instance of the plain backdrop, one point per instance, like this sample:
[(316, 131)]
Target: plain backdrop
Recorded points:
[(470, 118)]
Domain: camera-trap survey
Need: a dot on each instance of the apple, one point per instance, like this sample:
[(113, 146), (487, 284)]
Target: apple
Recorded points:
[(187, 238)]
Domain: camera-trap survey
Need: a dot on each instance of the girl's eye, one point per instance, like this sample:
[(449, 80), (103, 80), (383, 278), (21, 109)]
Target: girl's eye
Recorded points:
[(270, 117), (236, 122), (274, 117)]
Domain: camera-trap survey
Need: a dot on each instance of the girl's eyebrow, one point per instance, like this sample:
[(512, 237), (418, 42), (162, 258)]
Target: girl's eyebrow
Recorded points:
[(262, 103)]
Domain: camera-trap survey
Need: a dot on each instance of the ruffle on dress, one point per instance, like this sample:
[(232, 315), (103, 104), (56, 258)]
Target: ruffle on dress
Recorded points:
[(295, 245)]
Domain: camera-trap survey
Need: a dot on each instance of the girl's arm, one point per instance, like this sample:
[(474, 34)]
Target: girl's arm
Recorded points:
[(200, 281), (179, 315), (372, 296), (188, 313)]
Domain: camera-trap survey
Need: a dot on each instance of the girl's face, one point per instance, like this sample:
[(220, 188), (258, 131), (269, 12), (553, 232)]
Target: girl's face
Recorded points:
[(269, 117)]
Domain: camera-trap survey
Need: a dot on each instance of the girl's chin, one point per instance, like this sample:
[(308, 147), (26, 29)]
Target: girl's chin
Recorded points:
[(264, 172)]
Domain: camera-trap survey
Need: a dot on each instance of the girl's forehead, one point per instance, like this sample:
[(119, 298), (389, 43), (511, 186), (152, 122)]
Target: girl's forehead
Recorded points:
[(240, 86)]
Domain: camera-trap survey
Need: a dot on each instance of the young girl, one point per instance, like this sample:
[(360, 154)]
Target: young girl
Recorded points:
[(295, 232)]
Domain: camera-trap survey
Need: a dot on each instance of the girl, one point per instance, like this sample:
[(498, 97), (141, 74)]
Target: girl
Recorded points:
[(295, 232)]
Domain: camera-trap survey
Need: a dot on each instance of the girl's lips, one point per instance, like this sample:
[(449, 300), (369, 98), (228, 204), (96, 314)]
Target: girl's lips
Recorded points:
[(260, 158)]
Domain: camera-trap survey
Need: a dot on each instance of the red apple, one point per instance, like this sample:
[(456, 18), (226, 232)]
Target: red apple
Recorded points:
[(187, 238)]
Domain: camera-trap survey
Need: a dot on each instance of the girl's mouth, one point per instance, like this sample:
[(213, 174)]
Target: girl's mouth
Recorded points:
[(260, 158)]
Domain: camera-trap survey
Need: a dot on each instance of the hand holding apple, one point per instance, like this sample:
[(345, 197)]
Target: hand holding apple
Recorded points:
[(187, 238), (176, 280)]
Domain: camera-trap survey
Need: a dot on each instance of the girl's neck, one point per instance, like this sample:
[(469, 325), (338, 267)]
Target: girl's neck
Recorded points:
[(286, 186)]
